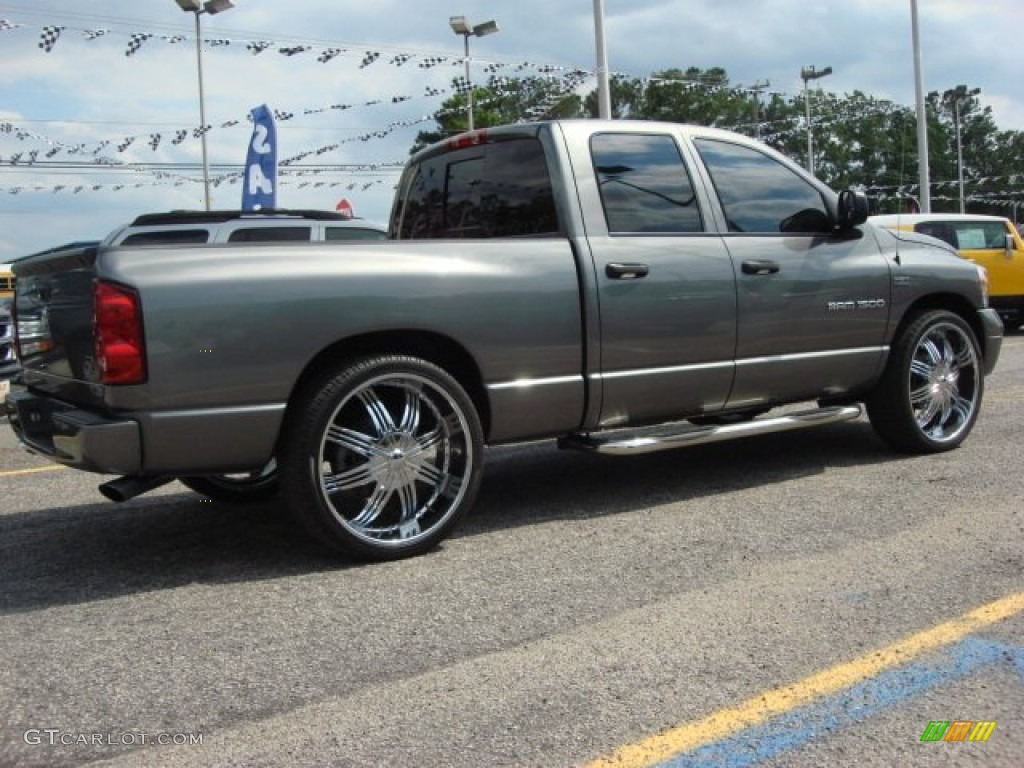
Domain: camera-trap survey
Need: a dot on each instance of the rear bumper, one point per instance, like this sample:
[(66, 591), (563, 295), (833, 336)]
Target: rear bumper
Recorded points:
[(69, 435), (174, 442), (993, 340)]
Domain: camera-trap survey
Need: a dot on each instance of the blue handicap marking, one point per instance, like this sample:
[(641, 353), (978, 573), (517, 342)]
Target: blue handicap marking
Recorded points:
[(853, 705)]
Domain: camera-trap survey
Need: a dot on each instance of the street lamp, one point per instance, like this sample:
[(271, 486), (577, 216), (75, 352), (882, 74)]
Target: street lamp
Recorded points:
[(810, 73), (460, 26), (211, 7), (956, 97), (604, 99)]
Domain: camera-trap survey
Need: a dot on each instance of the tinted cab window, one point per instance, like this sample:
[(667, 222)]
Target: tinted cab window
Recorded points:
[(490, 190), (168, 237), (644, 184), (759, 194)]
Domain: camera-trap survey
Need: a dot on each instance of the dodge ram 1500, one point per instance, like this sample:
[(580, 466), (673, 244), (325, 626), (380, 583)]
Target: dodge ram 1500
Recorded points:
[(621, 286)]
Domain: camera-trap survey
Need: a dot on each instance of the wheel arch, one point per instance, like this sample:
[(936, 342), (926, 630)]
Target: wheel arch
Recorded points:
[(436, 348), (951, 302)]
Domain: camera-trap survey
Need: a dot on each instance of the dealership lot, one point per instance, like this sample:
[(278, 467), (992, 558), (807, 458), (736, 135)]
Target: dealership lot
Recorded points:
[(587, 604)]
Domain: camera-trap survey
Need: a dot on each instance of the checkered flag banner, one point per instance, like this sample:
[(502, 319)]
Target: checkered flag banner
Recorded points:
[(369, 58), (294, 50), (6, 25), (135, 42), (94, 34), (257, 47), (432, 61), (329, 54), (49, 38), (154, 141)]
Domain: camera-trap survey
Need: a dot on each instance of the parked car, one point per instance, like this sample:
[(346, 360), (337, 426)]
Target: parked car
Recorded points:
[(278, 225), (991, 241)]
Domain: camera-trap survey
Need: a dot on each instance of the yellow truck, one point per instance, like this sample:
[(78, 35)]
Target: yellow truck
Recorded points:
[(990, 241)]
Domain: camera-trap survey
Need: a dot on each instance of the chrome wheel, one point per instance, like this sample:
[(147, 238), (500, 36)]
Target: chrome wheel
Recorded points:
[(930, 394), (944, 376), (386, 458)]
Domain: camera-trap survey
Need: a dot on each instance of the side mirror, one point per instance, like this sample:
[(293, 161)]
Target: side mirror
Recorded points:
[(852, 210)]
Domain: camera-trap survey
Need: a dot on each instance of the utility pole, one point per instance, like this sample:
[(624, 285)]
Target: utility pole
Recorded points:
[(756, 89)]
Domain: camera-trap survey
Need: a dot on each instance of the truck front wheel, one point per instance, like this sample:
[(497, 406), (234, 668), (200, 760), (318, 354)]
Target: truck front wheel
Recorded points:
[(382, 457), (930, 393)]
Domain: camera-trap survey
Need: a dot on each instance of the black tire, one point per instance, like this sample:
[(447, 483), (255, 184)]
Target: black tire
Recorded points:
[(242, 488), (930, 394), (382, 457)]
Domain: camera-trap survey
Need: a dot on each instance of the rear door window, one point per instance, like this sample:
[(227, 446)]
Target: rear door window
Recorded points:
[(645, 187)]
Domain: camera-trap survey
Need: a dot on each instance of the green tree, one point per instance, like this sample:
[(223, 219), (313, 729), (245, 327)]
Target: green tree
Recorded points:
[(858, 140)]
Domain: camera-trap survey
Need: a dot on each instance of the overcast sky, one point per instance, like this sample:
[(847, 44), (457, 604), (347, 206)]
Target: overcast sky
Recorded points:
[(85, 98)]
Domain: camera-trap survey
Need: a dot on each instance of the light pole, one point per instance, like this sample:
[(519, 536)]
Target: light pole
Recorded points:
[(954, 98), (924, 177), (211, 7), (810, 73), (604, 99), (460, 26), (959, 153)]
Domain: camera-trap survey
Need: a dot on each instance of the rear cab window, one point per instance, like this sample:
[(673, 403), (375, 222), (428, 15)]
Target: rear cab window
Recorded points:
[(498, 189)]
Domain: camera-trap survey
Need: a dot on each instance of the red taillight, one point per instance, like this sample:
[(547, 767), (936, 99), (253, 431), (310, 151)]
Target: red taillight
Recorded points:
[(120, 347), (470, 139)]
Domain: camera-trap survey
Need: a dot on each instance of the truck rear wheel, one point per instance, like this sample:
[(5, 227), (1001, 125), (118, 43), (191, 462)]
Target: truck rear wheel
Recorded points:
[(930, 393), (382, 457)]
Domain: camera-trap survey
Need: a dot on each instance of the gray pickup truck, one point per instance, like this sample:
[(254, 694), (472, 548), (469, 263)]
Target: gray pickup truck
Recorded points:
[(621, 286)]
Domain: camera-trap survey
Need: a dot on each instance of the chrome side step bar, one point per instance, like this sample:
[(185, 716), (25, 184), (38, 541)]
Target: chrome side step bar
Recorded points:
[(623, 443)]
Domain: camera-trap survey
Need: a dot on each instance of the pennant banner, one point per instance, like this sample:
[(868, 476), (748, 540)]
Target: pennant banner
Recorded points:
[(259, 190)]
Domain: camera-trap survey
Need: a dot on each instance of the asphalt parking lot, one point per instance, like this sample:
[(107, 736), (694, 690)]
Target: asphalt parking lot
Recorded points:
[(801, 599)]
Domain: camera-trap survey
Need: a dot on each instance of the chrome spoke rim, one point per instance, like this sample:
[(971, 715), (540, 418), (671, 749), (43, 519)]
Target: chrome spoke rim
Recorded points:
[(944, 382), (393, 459)]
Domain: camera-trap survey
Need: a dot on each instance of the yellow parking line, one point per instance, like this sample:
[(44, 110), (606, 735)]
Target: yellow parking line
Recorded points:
[(30, 470), (761, 707)]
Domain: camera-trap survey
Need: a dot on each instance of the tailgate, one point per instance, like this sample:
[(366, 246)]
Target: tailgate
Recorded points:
[(53, 309)]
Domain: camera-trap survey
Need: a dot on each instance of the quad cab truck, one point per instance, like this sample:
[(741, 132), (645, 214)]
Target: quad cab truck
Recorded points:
[(624, 287)]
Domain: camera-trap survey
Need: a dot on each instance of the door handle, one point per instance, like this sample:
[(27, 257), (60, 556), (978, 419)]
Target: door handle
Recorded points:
[(618, 271), (760, 267)]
